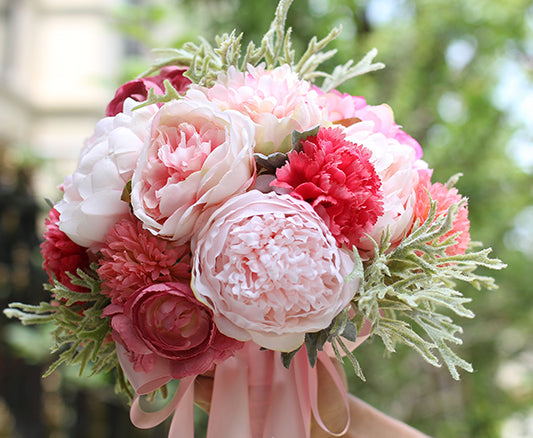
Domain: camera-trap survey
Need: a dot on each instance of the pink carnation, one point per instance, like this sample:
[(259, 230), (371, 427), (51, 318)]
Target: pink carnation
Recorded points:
[(336, 177), (61, 255), (444, 197), (132, 258), (138, 88), (165, 323)]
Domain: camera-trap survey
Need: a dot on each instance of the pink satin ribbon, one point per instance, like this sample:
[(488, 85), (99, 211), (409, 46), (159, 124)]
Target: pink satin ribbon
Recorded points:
[(254, 396)]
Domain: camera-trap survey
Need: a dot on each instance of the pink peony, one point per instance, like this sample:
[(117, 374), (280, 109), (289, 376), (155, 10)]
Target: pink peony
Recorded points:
[(138, 88), (133, 258), (197, 157), (276, 100), (444, 197), (61, 255), (270, 269), (92, 200), (336, 177), (347, 110), (165, 322)]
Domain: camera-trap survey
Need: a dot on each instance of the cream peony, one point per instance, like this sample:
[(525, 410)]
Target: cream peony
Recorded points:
[(196, 157), (91, 202), (270, 269), (276, 100)]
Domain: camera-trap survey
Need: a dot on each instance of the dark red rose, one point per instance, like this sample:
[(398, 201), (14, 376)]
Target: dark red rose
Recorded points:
[(138, 88)]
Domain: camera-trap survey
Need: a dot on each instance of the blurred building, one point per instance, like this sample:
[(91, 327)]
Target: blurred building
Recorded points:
[(58, 62)]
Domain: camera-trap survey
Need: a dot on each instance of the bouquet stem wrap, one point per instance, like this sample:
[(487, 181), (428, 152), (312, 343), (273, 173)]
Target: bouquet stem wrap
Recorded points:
[(253, 389)]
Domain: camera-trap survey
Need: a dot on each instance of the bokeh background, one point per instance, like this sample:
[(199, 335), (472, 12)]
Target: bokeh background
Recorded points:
[(459, 78)]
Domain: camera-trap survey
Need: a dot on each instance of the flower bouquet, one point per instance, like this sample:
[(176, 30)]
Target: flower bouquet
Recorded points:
[(229, 218)]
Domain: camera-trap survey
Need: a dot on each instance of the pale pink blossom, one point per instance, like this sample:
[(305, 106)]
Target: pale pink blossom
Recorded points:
[(347, 110), (270, 269), (197, 157), (91, 201), (396, 165), (276, 100)]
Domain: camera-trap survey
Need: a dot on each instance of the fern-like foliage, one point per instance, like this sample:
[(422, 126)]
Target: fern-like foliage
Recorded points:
[(409, 291), (81, 335), (205, 61)]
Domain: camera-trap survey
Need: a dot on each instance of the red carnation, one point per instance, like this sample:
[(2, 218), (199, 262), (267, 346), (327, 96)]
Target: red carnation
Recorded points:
[(337, 178), (61, 255), (138, 88)]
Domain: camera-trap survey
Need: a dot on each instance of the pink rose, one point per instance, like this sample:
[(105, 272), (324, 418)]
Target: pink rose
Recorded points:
[(165, 322), (397, 167), (138, 88), (197, 157), (276, 100), (270, 269)]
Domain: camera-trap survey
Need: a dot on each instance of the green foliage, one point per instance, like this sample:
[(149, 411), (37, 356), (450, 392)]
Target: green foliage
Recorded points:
[(414, 281), (206, 62), (80, 335)]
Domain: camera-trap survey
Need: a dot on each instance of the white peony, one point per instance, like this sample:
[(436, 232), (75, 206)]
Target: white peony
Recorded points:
[(91, 201)]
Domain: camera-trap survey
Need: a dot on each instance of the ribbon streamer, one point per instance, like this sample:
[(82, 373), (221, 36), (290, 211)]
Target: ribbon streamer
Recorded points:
[(259, 397)]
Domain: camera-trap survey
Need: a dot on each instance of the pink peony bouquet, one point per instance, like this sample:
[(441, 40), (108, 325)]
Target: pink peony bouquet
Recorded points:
[(229, 218)]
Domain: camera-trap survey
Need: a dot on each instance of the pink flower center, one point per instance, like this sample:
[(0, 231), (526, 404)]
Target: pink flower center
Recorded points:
[(279, 267), (173, 323)]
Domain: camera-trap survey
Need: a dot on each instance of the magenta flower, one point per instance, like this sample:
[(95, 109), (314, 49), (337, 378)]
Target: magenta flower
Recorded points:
[(138, 88), (165, 322)]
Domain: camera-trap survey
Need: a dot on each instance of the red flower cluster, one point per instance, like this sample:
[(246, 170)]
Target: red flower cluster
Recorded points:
[(132, 258), (61, 255), (336, 177), (138, 88)]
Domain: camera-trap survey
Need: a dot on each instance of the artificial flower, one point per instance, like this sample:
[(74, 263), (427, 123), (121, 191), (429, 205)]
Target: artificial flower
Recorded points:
[(132, 258), (270, 269), (444, 197), (165, 322), (138, 89), (196, 157), (92, 200), (347, 110), (276, 100), (61, 255), (396, 166), (336, 177)]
